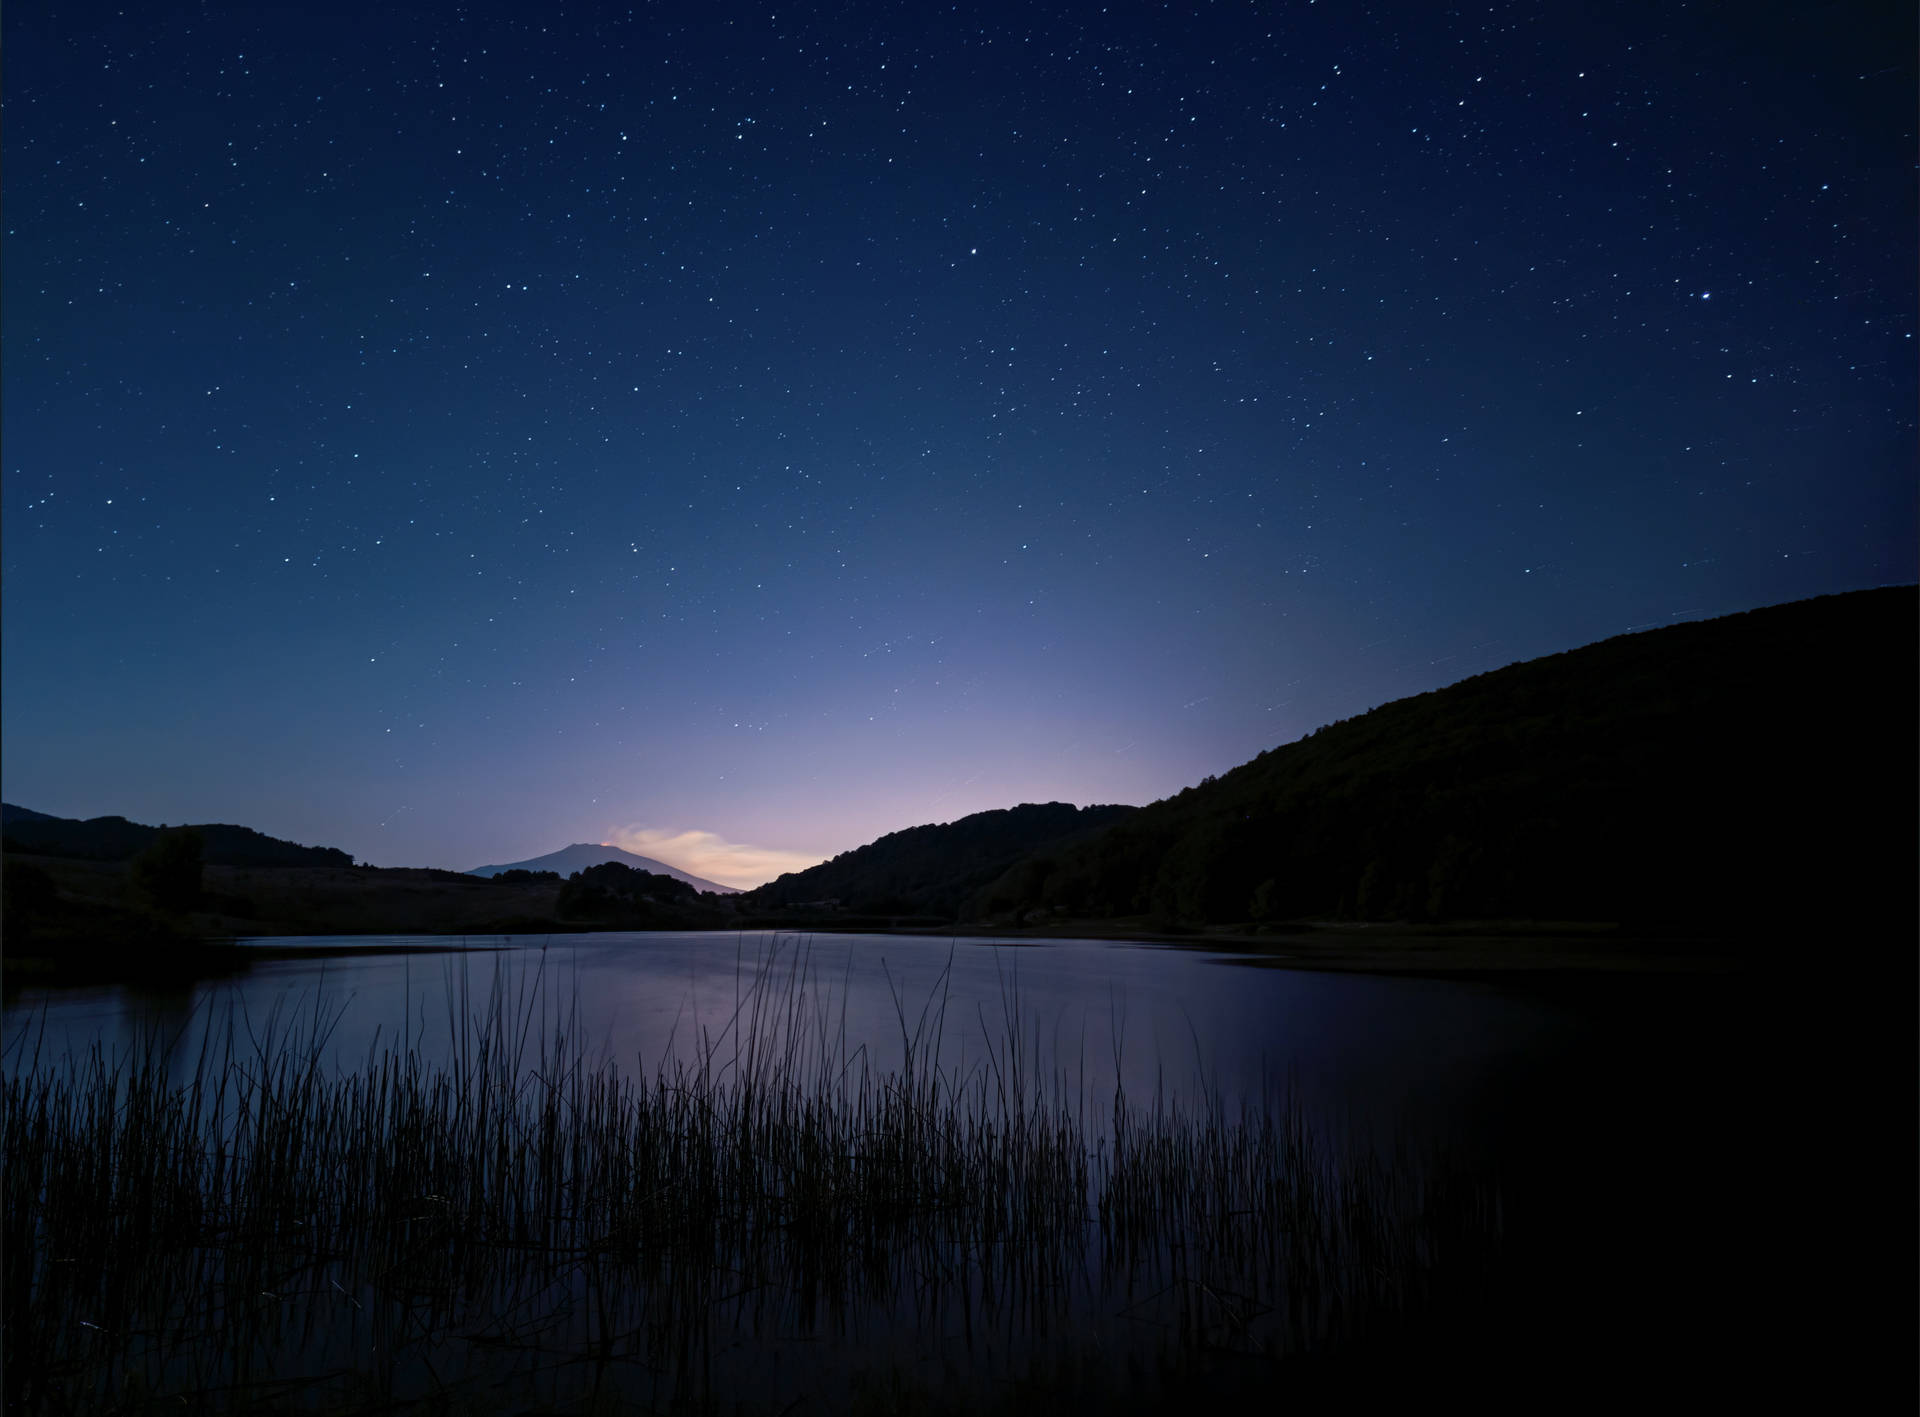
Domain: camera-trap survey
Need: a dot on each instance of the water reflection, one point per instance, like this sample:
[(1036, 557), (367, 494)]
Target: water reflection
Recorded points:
[(1090, 1017), (1574, 1102)]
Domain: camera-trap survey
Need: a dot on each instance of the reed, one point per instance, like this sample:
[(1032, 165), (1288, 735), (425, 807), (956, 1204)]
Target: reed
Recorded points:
[(528, 1225)]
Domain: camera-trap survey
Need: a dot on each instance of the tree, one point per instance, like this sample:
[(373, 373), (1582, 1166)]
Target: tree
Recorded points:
[(1370, 903), (1450, 883), (168, 872)]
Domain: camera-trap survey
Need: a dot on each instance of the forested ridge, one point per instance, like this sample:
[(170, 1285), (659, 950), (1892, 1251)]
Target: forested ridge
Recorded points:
[(935, 870), (1754, 769), (31, 833)]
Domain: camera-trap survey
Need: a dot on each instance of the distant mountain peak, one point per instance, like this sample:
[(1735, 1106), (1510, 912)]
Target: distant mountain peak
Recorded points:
[(581, 855)]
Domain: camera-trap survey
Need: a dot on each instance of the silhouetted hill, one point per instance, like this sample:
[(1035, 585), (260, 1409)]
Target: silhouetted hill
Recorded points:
[(116, 839), (582, 857), (615, 896), (9, 814), (1754, 772), (934, 870)]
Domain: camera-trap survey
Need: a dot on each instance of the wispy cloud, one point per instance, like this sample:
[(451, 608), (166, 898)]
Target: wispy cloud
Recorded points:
[(731, 863)]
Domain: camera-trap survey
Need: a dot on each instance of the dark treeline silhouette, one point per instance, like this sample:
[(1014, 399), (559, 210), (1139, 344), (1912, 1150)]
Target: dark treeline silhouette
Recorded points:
[(1753, 770), (169, 872), (136, 934), (30, 833), (934, 870), (617, 897)]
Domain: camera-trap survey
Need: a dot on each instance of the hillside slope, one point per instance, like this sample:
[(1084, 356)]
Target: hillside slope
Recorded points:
[(935, 870), (1754, 771), (116, 839)]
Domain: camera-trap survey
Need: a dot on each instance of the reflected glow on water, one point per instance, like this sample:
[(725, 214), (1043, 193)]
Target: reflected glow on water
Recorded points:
[(1090, 1015)]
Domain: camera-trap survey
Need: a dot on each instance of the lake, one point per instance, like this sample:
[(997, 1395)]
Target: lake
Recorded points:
[(1090, 1014), (1646, 1137)]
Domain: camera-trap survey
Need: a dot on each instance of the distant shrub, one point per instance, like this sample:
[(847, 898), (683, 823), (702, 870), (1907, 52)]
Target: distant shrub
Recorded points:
[(168, 872)]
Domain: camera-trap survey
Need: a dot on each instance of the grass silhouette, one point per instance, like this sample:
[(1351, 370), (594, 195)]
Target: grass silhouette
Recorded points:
[(525, 1226)]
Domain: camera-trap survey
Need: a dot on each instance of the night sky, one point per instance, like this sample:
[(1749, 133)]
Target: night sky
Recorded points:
[(447, 433)]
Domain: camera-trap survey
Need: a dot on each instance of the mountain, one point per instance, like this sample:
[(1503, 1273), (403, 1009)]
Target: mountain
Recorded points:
[(1753, 774), (580, 856), (33, 833), (934, 870)]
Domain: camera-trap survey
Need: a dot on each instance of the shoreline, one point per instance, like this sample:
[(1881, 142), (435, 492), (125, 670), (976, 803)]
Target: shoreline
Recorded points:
[(1479, 947), (1491, 950), (99, 929), (1501, 948)]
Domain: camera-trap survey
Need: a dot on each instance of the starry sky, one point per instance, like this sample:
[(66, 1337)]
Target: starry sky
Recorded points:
[(447, 432)]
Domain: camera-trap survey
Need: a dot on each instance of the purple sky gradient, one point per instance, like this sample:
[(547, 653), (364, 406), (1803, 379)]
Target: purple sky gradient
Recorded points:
[(447, 439)]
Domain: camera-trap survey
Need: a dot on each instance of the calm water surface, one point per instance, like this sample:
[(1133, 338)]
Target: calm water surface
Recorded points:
[(1182, 1024)]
